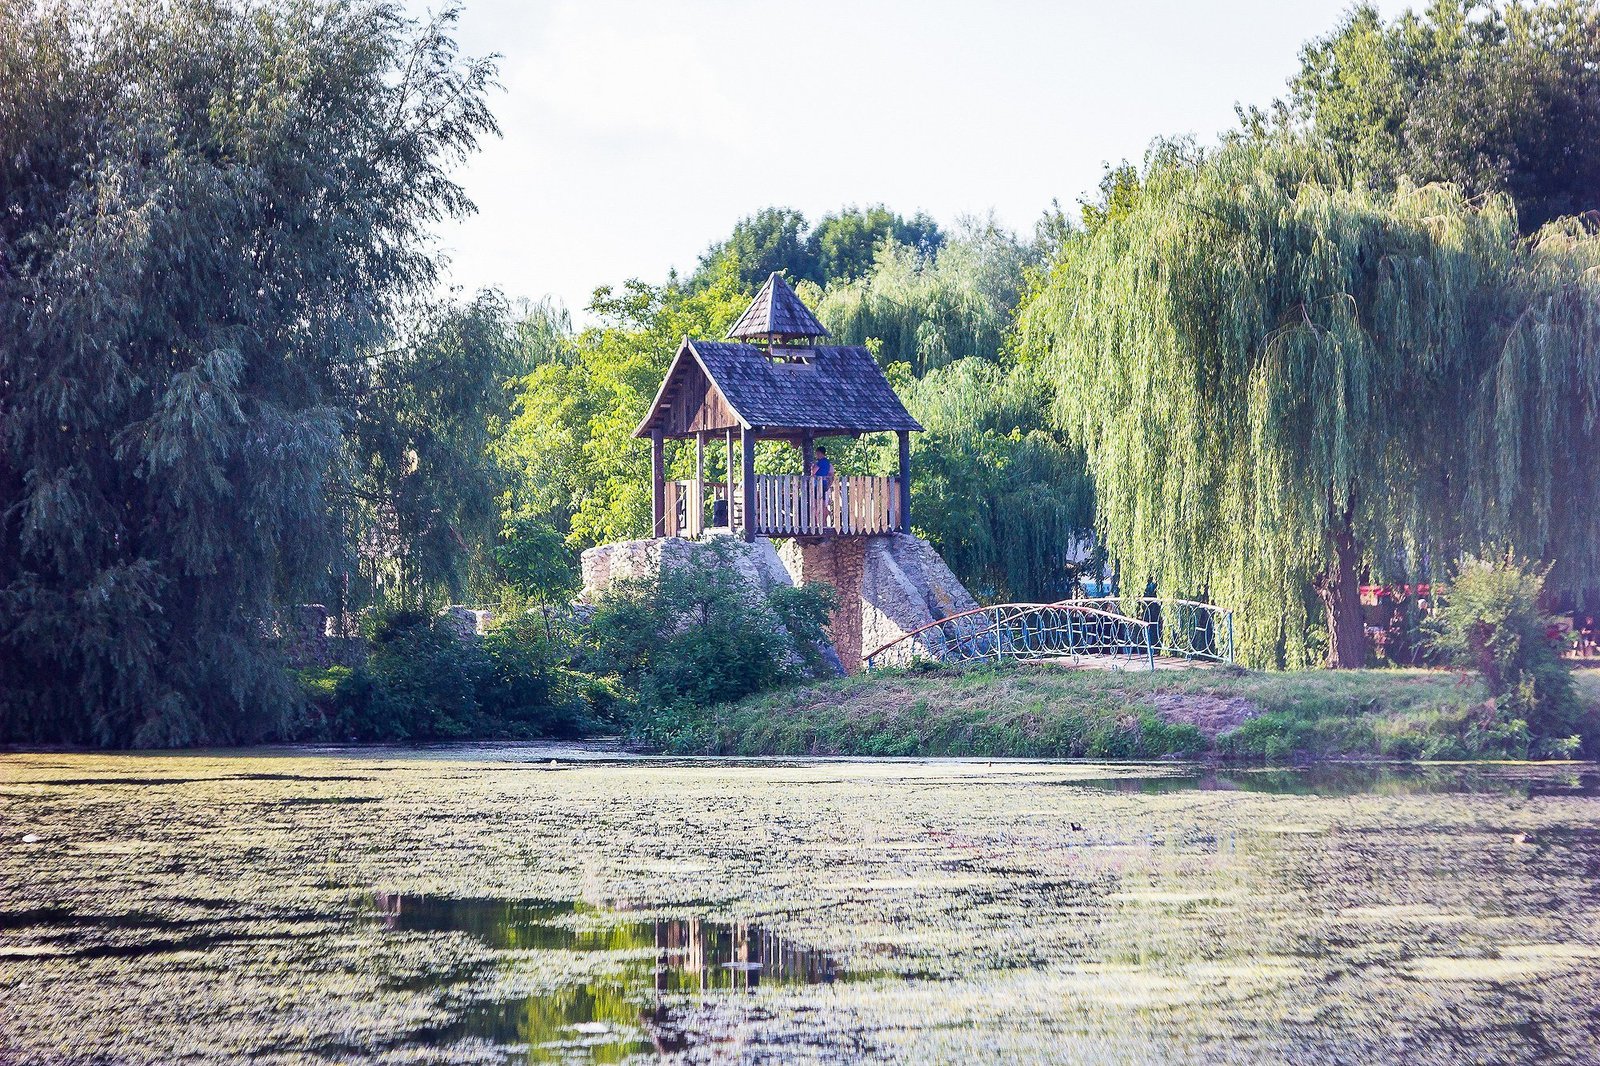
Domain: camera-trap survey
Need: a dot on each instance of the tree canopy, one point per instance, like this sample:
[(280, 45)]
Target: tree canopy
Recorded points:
[(1491, 97), (1282, 379), (213, 211), (928, 308), (841, 247)]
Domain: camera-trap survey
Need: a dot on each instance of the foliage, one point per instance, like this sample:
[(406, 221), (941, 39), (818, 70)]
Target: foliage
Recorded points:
[(845, 243), (841, 247), (536, 561), (693, 636), (1007, 503), (570, 444), (1492, 97), (928, 308), (424, 681), (804, 612), (1270, 370), (1491, 621), (321, 684), (212, 212), (426, 490)]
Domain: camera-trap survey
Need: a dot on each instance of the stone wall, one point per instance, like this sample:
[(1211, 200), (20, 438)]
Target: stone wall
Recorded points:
[(303, 632), (757, 562), (889, 586), (840, 562)]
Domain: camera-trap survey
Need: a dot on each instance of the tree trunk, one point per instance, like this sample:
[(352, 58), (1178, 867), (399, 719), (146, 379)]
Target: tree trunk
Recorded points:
[(1340, 591)]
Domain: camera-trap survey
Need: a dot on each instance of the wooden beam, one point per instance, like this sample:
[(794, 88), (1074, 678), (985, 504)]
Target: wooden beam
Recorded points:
[(748, 482), (700, 481), (658, 481), (905, 480), (727, 478)]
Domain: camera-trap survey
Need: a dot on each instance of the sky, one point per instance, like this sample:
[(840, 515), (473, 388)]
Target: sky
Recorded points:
[(637, 133)]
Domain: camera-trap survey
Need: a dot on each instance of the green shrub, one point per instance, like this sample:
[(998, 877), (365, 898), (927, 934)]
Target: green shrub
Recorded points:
[(320, 685), (1491, 621), (423, 681), (694, 637), (420, 682)]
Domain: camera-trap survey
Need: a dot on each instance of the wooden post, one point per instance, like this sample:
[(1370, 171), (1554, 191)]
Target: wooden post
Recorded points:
[(727, 477), (697, 520), (905, 480), (808, 454), (748, 482), (658, 481)]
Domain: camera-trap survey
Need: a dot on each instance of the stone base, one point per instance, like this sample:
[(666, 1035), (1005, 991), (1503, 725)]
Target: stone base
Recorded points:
[(889, 585), (757, 562)]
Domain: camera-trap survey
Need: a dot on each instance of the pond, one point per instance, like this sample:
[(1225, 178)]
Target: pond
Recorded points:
[(527, 903)]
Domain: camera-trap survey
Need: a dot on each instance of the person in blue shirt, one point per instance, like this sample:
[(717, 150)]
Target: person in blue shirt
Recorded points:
[(824, 468)]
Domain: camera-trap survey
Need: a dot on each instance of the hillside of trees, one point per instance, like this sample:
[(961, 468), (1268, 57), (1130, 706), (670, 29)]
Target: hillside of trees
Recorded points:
[(1356, 338)]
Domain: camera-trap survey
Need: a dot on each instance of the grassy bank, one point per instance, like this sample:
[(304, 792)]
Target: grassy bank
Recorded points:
[(1051, 712)]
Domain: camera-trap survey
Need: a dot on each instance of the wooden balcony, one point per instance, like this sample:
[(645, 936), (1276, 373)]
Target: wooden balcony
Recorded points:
[(791, 505)]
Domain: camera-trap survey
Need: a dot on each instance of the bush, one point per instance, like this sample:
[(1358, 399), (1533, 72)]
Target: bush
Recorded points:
[(1491, 621), (694, 636), (423, 681)]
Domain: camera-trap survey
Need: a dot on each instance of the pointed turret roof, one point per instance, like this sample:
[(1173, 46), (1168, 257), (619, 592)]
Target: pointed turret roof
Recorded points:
[(777, 312)]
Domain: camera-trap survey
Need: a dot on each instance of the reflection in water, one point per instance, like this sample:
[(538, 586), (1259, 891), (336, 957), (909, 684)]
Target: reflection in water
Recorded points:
[(619, 1013), (1364, 779)]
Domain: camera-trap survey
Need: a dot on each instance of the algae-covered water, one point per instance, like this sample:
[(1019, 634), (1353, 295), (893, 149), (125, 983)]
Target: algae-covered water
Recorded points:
[(530, 904)]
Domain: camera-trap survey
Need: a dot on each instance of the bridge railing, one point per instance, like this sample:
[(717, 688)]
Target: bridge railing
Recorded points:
[(1137, 632), (1182, 629), (1023, 631)]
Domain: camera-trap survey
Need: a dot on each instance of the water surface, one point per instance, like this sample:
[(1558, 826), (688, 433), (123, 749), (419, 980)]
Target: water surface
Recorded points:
[(526, 904)]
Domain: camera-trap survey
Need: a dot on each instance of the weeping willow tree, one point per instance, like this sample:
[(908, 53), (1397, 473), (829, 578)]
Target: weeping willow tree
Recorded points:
[(1283, 382), (928, 307)]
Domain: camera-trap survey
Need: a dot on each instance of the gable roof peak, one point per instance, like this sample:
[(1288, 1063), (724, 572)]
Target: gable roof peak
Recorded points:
[(777, 312)]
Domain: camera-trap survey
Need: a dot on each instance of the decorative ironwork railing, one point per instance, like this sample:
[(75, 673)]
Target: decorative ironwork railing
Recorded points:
[(1184, 629), (1067, 629)]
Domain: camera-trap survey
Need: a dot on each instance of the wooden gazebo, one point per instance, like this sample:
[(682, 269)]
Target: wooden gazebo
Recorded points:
[(773, 379)]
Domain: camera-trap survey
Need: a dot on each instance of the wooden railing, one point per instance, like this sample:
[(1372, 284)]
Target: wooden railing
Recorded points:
[(795, 505), (686, 507), (790, 505)]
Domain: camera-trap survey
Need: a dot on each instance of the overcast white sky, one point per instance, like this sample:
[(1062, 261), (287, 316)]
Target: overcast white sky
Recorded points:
[(635, 133)]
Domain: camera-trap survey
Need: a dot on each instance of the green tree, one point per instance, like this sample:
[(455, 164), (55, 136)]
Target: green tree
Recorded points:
[(536, 561), (772, 239), (841, 247), (570, 444), (426, 491), (212, 211), (1006, 501), (929, 308), (1283, 381), (1492, 97), (844, 245)]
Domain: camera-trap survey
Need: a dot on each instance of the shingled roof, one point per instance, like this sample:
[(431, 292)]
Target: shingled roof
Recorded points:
[(777, 312), (837, 389), (779, 390)]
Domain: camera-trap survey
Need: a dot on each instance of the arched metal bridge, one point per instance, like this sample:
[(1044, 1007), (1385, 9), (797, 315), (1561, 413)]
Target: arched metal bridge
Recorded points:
[(1105, 631)]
